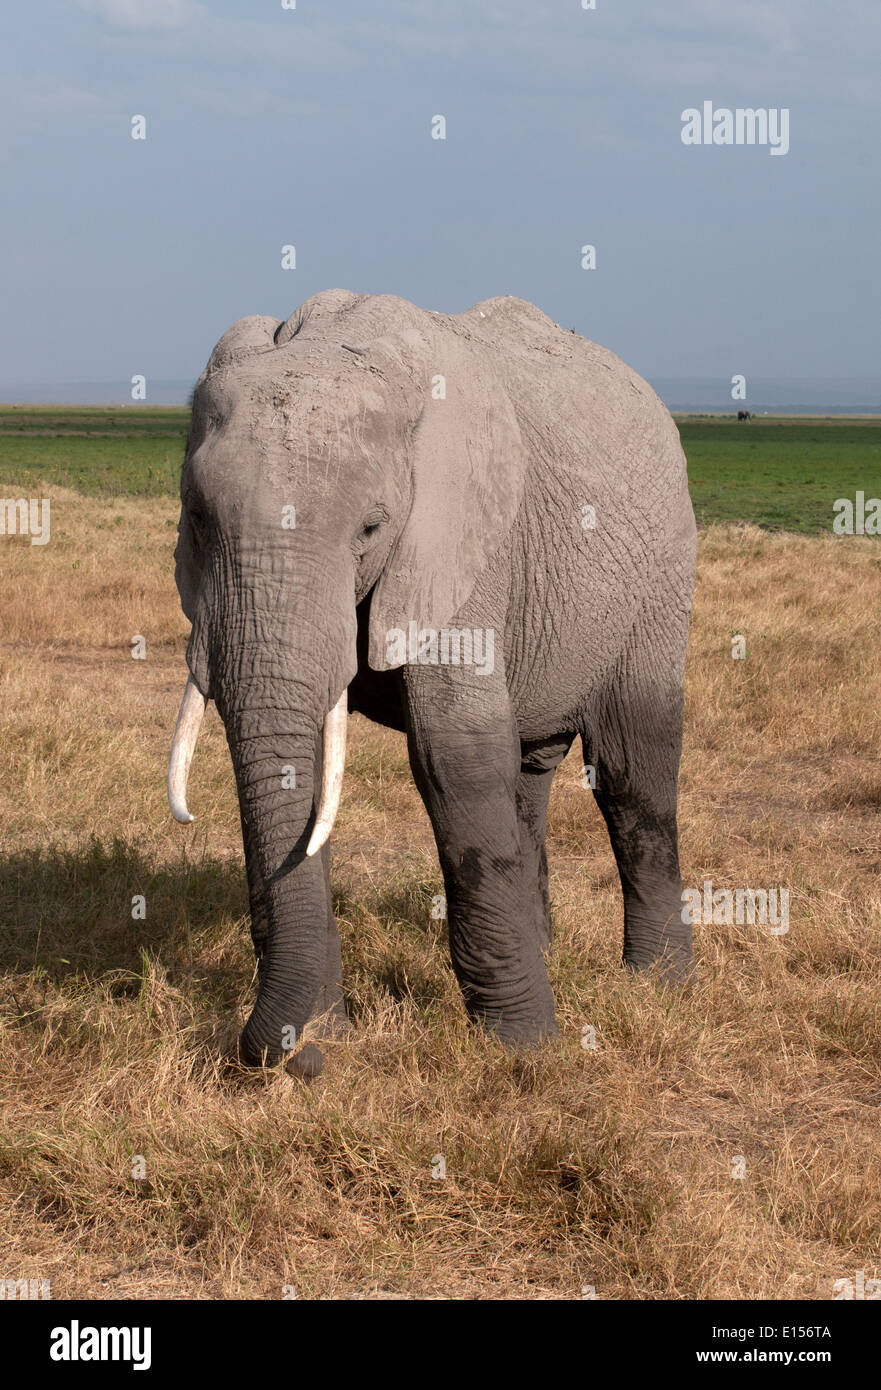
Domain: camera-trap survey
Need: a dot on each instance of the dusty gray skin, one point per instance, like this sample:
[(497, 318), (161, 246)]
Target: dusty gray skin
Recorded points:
[(460, 512)]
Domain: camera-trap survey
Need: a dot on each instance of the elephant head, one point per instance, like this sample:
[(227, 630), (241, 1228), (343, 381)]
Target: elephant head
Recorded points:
[(362, 450)]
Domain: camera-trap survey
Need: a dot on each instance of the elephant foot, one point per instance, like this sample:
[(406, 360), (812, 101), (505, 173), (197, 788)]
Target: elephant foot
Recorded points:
[(673, 966), (667, 974), (527, 1042), (306, 1064), (662, 948), (518, 1032)]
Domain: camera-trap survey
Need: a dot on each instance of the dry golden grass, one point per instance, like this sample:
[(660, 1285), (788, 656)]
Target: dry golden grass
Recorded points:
[(565, 1167)]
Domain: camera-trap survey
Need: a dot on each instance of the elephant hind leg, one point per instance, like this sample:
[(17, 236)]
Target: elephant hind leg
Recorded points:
[(538, 763), (632, 736)]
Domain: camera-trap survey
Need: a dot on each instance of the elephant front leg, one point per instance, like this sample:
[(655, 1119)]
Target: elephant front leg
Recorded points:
[(465, 755)]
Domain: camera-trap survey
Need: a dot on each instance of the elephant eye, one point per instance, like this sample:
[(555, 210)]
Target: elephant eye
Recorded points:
[(372, 523)]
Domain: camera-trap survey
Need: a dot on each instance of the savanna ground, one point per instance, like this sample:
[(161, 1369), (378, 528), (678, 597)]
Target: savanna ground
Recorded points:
[(566, 1167)]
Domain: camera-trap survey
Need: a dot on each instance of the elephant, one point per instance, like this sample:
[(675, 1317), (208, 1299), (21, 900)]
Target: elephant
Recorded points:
[(744, 415), (472, 528)]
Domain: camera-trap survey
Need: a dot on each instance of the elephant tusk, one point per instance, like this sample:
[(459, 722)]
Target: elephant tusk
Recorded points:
[(183, 745), (333, 767)]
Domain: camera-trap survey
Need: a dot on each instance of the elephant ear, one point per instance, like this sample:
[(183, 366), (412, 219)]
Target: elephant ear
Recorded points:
[(467, 482), (187, 573)]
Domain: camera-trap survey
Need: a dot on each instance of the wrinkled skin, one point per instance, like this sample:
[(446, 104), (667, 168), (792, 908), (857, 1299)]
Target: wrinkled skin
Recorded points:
[(469, 511)]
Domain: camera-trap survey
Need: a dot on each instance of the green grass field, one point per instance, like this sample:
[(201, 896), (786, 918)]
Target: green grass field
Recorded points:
[(102, 451), (781, 473)]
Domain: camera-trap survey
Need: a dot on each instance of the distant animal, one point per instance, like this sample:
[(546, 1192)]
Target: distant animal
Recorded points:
[(744, 415), (463, 478)]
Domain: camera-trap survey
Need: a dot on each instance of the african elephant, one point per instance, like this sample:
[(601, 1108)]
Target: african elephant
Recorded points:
[(474, 528)]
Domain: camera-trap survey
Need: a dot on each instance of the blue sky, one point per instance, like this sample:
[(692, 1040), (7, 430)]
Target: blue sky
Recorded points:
[(267, 127)]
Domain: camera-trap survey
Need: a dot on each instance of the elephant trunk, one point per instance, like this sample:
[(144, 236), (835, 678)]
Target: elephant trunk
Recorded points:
[(276, 780), (275, 660)]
